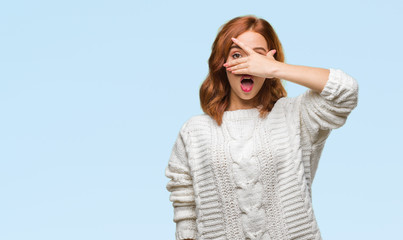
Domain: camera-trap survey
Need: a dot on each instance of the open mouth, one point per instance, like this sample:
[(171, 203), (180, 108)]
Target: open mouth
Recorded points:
[(246, 83)]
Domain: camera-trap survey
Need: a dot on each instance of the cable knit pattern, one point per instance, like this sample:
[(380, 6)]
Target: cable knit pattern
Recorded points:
[(246, 171), (251, 177)]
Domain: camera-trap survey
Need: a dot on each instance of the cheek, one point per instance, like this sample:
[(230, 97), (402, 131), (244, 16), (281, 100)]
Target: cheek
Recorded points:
[(232, 79), (259, 83)]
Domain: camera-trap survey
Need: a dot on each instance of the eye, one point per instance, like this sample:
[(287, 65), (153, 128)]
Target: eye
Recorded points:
[(236, 54)]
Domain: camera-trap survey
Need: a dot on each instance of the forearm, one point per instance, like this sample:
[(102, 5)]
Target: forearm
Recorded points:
[(311, 77)]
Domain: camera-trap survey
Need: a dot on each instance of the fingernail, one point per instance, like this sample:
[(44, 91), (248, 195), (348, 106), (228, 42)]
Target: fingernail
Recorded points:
[(233, 39)]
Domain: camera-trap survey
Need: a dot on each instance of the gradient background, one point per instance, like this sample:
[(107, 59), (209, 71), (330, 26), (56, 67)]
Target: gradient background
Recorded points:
[(93, 94)]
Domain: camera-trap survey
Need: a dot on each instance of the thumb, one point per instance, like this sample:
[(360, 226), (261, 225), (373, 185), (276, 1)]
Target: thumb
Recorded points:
[(271, 52)]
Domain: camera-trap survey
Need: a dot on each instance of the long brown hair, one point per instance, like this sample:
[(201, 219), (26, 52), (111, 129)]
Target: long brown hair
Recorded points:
[(215, 90)]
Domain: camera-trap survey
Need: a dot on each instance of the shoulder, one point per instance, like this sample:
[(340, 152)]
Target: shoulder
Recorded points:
[(289, 101), (195, 123), (288, 104), (288, 108)]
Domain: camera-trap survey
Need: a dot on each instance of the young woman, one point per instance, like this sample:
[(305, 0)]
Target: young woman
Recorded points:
[(244, 169)]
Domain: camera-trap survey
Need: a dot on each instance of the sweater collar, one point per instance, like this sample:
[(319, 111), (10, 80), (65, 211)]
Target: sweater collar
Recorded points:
[(241, 114)]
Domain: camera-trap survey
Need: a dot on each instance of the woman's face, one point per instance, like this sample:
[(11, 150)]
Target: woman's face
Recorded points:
[(242, 92)]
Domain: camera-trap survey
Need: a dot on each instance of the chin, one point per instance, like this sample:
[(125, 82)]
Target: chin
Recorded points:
[(246, 96)]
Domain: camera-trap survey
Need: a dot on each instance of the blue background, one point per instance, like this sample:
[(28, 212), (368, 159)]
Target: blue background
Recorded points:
[(93, 94)]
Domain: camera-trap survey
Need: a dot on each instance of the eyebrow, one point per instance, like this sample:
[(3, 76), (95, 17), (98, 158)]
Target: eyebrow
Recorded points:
[(256, 48)]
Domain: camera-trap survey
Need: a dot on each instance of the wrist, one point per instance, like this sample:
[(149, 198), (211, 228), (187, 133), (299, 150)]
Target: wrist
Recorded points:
[(278, 69)]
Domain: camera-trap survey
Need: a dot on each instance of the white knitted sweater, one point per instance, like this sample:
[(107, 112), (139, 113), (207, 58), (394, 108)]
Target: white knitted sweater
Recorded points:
[(251, 177)]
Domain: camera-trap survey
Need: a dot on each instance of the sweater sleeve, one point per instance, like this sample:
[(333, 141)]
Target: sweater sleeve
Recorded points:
[(319, 113), (181, 191), (329, 109)]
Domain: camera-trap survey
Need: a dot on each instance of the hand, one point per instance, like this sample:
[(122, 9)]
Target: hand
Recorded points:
[(254, 64)]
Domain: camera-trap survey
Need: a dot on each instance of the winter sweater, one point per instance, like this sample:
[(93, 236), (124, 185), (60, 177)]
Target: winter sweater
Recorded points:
[(251, 177)]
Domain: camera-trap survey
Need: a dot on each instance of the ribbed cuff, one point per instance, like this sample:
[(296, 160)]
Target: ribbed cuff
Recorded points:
[(337, 83), (331, 85), (186, 229), (186, 234)]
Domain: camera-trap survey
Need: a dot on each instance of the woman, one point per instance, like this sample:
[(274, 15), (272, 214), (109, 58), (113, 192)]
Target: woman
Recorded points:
[(244, 169)]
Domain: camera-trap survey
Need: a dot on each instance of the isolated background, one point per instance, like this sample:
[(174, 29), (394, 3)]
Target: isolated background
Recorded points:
[(93, 94)]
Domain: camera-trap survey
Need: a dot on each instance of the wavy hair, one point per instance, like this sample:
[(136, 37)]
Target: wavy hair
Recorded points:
[(215, 89)]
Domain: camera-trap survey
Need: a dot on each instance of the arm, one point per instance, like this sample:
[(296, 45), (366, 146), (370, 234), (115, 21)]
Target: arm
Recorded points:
[(310, 77), (331, 96), (181, 188), (321, 111)]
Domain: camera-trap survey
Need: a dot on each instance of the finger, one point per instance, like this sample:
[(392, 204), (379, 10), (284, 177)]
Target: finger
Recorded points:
[(271, 52), (239, 66), (235, 62), (245, 47), (241, 71)]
